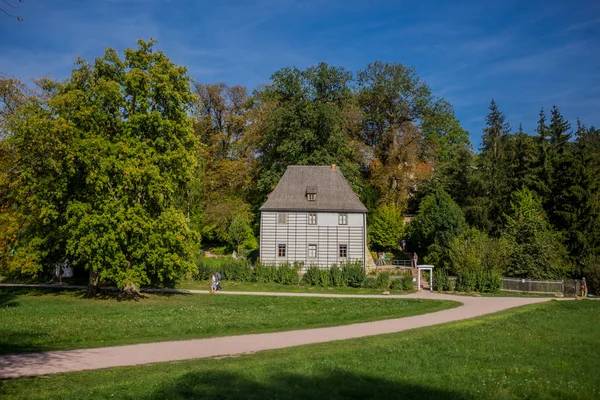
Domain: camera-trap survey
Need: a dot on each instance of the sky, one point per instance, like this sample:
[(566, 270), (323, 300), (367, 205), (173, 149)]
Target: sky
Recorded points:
[(525, 54)]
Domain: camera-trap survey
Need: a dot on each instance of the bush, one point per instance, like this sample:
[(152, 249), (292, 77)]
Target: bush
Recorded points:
[(264, 273), (371, 283), (591, 271), (383, 280), (354, 274), (485, 281), (312, 276), (440, 280), (287, 275), (337, 276), (405, 282)]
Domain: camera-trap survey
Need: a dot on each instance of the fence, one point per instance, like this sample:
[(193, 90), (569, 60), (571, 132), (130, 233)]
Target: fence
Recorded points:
[(532, 286), (569, 287), (396, 263)]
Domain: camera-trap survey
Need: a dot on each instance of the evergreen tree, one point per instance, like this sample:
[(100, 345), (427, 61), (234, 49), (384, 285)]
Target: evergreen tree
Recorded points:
[(493, 167), (535, 249)]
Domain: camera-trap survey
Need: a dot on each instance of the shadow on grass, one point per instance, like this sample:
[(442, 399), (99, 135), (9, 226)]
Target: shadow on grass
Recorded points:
[(7, 299), (330, 385)]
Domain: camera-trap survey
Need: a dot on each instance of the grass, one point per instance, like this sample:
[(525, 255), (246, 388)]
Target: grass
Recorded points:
[(37, 320), (544, 351), (276, 287)]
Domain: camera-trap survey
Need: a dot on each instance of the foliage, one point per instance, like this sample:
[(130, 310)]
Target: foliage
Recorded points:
[(354, 274), (474, 250), (107, 175), (591, 271), (438, 221), (383, 279), (441, 281), (535, 249), (371, 282), (386, 228), (238, 232)]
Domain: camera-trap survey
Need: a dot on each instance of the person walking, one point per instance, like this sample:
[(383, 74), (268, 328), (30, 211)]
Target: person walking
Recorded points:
[(415, 260), (584, 288), (213, 283), (219, 277)]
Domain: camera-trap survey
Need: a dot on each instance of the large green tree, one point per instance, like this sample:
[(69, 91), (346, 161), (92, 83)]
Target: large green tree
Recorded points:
[(104, 168), (306, 123)]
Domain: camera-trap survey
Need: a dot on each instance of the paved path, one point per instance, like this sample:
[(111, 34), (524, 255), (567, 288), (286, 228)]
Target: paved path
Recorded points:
[(19, 365)]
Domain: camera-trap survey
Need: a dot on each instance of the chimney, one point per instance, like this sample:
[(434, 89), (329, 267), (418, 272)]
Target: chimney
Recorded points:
[(333, 167)]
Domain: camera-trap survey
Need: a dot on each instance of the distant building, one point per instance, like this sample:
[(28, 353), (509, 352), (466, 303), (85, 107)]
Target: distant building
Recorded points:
[(313, 216)]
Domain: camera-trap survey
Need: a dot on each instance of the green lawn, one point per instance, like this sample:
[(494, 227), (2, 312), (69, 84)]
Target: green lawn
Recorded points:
[(277, 287), (38, 320), (543, 351)]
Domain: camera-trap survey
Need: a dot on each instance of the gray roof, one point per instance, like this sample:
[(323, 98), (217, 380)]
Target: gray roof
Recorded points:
[(333, 193)]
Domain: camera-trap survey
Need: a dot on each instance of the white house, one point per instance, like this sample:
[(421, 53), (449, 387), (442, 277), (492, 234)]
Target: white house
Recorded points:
[(313, 216)]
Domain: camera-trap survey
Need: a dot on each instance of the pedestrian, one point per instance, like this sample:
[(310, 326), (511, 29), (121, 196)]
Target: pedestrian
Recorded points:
[(219, 277), (584, 289), (213, 283), (415, 260)]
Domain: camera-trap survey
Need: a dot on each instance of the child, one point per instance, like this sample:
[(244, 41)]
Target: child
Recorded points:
[(213, 283)]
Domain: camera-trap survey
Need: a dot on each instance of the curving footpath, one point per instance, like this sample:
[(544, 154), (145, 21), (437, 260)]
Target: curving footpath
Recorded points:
[(19, 365)]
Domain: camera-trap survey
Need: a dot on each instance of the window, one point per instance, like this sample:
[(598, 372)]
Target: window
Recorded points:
[(343, 219), (312, 250), (343, 250), (311, 196), (282, 218), (312, 219), (281, 250)]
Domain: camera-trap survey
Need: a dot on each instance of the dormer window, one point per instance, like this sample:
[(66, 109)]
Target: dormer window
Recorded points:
[(311, 193)]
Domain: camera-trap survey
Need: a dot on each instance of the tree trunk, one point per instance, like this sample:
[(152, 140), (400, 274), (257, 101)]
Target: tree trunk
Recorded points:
[(130, 292), (93, 288)]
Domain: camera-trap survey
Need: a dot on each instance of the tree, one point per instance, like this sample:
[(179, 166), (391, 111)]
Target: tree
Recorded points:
[(306, 123), (105, 164), (238, 232), (535, 249), (493, 167), (474, 250), (229, 154), (386, 228), (404, 128), (438, 221)]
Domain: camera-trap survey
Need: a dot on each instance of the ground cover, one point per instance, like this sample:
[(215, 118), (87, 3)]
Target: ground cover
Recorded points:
[(39, 320), (543, 351)]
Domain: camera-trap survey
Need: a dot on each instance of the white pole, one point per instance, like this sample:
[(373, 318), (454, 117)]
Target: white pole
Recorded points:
[(431, 279), (418, 280)]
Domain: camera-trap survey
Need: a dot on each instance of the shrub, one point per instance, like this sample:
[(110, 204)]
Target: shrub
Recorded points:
[(337, 276), (383, 280), (466, 281), (264, 273), (324, 277), (440, 280), (371, 283), (287, 275), (354, 274), (407, 281), (591, 272), (312, 276)]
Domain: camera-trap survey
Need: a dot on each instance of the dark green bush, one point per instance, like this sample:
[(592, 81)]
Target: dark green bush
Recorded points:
[(337, 276), (354, 274), (312, 276), (484, 281), (287, 275), (371, 282), (324, 277), (383, 280)]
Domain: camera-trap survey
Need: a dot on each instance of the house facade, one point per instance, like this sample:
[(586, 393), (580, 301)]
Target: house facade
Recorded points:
[(313, 217)]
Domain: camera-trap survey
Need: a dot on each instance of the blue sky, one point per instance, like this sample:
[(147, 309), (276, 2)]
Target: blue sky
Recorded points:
[(525, 54)]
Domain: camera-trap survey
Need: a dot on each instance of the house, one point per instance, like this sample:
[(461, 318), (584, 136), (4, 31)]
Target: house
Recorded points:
[(313, 217)]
